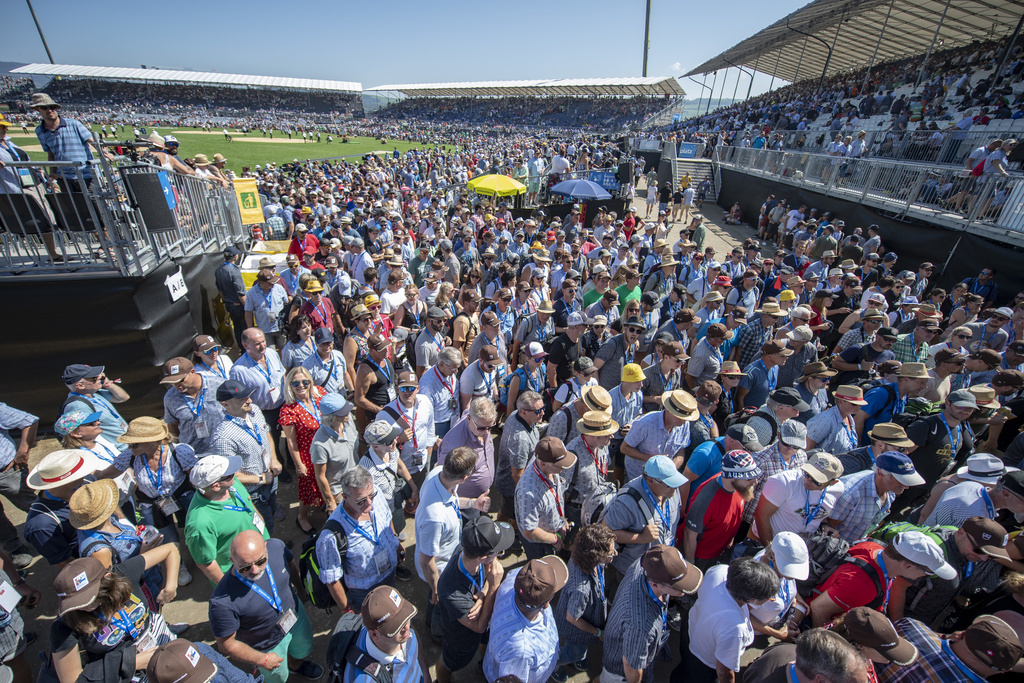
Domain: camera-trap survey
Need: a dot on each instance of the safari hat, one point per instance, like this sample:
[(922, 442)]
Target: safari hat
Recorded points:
[(771, 308), (63, 467), (851, 394), (890, 433), (914, 371), (201, 160), (597, 423), (681, 404), (41, 99), (731, 367), (218, 158), (817, 369), (93, 504), (144, 430)]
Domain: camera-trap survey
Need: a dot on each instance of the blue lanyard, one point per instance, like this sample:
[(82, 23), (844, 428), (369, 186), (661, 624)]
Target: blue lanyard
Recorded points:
[(600, 578), (658, 509), (989, 507), (266, 296), (488, 380), (235, 508), (791, 674), (851, 434), (953, 443), (454, 505), (113, 454), (808, 515), (158, 480), (541, 376), (661, 606), (647, 320), (124, 623), (265, 373), (968, 570), (705, 420), (670, 384), (478, 581), (274, 602), (104, 404), (315, 413), (714, 352), (679, 335), (291, 278), (440, 345), (254, 433), (630, 355), (783, 588), (885, 575), (375, 539), (387, 375), (772, 380), (196, 407), (218, 370), (960, 665), (900, 403), (321, 308)]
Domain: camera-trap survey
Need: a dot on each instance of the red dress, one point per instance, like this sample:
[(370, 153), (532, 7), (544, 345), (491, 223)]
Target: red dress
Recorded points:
[(305, 424)]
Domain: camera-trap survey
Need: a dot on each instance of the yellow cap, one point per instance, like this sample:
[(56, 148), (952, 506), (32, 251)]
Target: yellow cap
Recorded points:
[(787, 295), (632, 372)]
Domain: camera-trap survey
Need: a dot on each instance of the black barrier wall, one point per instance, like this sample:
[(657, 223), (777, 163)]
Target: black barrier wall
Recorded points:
[(914, 243), (129, 325)]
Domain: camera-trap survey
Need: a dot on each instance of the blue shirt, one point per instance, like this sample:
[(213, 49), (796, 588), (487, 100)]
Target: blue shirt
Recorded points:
[(11, 418), (362, 568), (267, 381), (69, 141), (759, 382), (111, 422), (517, 646), (885, 401), (705, 462), (265, 308)]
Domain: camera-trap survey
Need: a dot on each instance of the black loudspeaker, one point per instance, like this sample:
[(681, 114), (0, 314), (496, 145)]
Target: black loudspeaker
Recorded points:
[(625, 175), (664, 172), (148, 195)]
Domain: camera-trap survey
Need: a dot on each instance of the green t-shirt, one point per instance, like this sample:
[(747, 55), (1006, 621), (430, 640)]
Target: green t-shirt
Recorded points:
[(210, 525), (626, 295), (591, 296)]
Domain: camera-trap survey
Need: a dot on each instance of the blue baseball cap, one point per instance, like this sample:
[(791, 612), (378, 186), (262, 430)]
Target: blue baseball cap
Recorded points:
[(739, 465), (900, 466), (662, 468), (335, 404)]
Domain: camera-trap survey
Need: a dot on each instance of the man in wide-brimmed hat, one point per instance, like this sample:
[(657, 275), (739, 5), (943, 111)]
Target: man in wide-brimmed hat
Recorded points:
[(65, 139), (48, 526), (665, 432)]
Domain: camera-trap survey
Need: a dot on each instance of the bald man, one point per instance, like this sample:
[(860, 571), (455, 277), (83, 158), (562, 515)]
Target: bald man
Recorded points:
[(256, 616)]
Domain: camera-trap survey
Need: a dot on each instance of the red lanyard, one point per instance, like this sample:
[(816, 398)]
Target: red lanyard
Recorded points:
[(412, 426), (449, 387), (597, 461), (558, 503)]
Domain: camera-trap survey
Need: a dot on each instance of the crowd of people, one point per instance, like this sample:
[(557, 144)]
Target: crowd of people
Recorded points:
[(590, 439)]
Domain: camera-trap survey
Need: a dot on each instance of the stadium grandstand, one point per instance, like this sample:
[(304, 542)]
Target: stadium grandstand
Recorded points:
[(608, 104)]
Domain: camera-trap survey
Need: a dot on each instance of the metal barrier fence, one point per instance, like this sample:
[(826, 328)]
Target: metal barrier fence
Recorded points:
[(951, 196), (946, 147), (90, 221)]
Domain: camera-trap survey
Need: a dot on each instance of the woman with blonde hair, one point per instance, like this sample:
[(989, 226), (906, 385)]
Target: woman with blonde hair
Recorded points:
[(300, 419)]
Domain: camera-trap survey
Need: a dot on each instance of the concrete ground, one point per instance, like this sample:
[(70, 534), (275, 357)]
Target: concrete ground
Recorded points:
[(191, 606)]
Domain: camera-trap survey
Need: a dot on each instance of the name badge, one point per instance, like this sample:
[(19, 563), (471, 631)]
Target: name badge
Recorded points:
[(392, 394), (287, 620), (382, 561), (453, 405), (275, 391), (9, 596), (168, 506), (258, 522), (202, 429)]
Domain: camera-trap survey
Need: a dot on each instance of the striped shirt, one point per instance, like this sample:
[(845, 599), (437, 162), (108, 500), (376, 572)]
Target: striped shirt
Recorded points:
[(625, 410), (831, 434), (583, 600), (960, 502), (69, 141), (540, 500), (637, 629), (329, 374), (517, 646), (625, 513), (11, 418), (266, 307), (197, 418), (860, 509), (648, 435), (171, 474), (249, 439), (372, 553)]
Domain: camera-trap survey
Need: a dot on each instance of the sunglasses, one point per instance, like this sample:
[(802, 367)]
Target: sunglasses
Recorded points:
[(300, 383), (406, 390), (258, 563), (212, 351), (483, 428), (367, 499), (539, 411), (634, 330), (375, 307), (91, 424)]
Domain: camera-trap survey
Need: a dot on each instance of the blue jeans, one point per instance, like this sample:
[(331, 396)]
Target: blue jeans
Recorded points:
[(570, 653), (357, 595)]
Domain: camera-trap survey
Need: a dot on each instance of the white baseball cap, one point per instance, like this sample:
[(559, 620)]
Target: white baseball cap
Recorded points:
[(791, 556), (920, 549), (577, 318), (213, 468), (536, 350)]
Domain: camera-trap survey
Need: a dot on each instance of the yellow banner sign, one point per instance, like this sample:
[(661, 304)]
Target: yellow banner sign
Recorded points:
[(249, 204)]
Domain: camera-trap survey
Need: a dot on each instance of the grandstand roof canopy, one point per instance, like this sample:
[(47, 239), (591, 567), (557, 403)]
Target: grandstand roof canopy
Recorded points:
[(190, 77), (906, 28), (653, 86)]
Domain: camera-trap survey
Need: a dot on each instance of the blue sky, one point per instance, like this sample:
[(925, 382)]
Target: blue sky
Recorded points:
[(400, 41)]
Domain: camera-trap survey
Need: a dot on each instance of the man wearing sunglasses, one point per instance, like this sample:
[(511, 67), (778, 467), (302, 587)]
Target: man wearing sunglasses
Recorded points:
[(90, 391), (619, 351), (255, 614)]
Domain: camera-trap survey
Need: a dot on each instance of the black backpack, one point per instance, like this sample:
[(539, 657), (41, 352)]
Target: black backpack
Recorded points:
[(309, 566), (342, 652)]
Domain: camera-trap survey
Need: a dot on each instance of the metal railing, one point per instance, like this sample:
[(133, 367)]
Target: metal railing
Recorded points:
[(948, 147), (92, 220), (952, 197)]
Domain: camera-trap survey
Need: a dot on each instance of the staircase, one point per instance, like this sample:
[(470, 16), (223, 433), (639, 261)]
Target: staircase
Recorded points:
[(699, 169)]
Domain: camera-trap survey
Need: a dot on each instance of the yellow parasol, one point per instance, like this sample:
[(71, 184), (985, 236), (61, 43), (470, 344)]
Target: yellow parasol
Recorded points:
[(495, 185)]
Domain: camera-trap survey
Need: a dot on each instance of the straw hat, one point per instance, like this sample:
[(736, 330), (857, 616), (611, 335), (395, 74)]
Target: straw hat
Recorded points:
[(681, 404), (890, 433), (63, 467), (914, 371), (155, 138), (731, 367), (41, 99), (144, 430), (201, 160), (851, 394), (771, 308), (93, 504), (816, 369), (218, 158), (597, 423), (546, 307), (597, 398), (985, 396)]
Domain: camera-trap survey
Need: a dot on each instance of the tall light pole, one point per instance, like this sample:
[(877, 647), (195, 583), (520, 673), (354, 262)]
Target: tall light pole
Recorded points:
[(47, 47), (647, 36)]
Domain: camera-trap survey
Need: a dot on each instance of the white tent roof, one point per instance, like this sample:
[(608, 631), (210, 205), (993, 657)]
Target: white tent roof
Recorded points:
[(193, 77), (652, 86)]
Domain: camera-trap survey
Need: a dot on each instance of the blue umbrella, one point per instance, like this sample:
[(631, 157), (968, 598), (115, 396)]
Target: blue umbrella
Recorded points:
[(581, 189)]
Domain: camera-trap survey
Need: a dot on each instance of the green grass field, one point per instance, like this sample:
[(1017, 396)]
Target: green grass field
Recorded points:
[(243, 150)]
